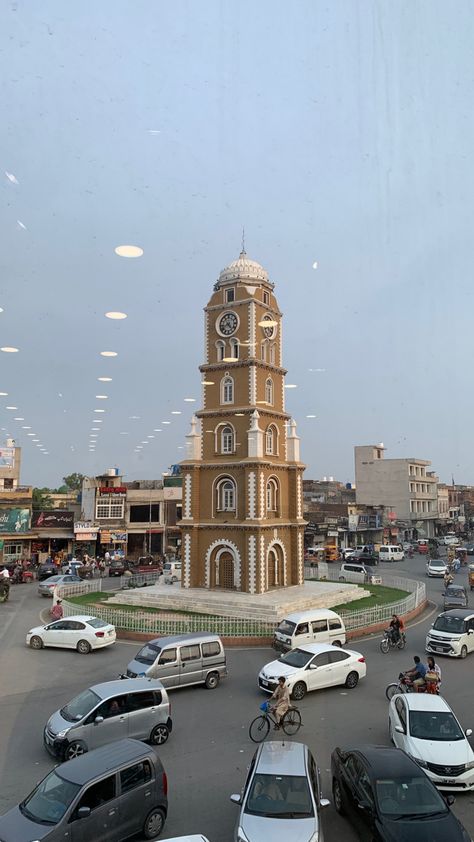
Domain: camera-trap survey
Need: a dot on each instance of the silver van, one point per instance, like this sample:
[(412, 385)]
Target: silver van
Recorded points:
[(108, 712), (111, 794), (181, 660)]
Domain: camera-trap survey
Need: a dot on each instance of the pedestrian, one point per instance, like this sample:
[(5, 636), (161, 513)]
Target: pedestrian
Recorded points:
[(101, 568), (57, 610), (107, 557)]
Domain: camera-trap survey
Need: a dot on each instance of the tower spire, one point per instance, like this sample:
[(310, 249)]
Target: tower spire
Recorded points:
[(243, 241)]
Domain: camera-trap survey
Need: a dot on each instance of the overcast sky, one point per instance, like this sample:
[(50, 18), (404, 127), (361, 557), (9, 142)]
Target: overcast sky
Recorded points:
[(339, 133)]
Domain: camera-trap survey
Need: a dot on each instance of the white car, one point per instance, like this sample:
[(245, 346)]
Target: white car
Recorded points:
[(426, 728), (312, 667), (451, 540), (346, 552), (81, 632), (436, 567)]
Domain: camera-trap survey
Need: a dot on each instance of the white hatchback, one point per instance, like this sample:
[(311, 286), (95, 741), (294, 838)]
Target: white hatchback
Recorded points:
[(426, 728), (436, 567), (81, 632), (312, 667)]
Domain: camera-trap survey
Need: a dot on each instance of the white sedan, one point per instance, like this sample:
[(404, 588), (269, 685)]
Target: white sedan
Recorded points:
[(426, 728), (436, 567), (80, 632), (313, 666)]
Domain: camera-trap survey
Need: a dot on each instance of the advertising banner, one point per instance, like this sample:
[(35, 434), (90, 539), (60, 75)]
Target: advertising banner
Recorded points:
[(14, 520), (53, 519), (86, 536), (172, 493), (7, 457)]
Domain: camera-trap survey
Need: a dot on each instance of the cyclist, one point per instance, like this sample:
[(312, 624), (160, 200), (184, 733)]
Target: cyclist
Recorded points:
[(281, 694)]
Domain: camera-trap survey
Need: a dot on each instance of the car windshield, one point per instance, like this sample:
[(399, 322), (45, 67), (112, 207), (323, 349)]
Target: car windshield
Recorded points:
[(280, 796), (286, 627), (409, 797), (449, 624), (96, 623), (80, 706), (50, 800), (296, 658), (55, 579), (435, 563), (442, 725), (457, 592), (148, 654)]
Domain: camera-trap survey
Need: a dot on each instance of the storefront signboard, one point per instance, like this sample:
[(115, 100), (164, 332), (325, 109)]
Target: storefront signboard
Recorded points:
[(14, 520), (7, 457), (53, 519)]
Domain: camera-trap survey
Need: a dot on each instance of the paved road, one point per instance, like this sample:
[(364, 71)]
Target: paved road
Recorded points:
[(208, 753)]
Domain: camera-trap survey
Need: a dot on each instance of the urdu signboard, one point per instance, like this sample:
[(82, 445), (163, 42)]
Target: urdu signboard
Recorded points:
[(14, 521)]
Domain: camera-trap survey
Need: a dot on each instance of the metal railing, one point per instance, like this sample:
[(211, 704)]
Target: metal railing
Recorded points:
[(161, 623)]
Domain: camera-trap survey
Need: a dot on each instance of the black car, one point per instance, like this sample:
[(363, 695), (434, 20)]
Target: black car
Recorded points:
[(364, 557), (388, 798), (46, 570), (116, 568)]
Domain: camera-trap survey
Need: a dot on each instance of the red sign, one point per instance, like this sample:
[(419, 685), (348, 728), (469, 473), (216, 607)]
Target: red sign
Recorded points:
[(392, 516), (119, 489)]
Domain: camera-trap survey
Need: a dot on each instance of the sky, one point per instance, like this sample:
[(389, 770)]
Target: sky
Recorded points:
[(339, 133)]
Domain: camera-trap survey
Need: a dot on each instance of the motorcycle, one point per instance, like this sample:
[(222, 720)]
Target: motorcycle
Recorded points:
[(405, 685), (389, 642), (4, 589)]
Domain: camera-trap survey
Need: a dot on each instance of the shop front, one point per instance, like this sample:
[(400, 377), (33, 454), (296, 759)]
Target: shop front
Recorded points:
[(85, 539), (15, 535), (113, 542), (55, 535), (144, 542)]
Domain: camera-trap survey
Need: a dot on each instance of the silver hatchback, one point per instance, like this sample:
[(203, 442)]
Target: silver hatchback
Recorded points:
[(107, 712), (281, 798)]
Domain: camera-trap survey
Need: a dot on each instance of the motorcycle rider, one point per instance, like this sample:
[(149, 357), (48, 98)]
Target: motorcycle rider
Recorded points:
[(5, 582), (416, 675), (396, 627)]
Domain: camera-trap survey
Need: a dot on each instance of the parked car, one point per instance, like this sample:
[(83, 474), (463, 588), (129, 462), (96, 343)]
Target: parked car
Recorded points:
[(47, 586), (181, 660), (436, 567), (116, 567), (312, 667), (111, 793), (452, 633), (281, 798), (107, 712), (82, 632), (172, 572), (386, 796), (426, 728), (46, 570), (455, 596)]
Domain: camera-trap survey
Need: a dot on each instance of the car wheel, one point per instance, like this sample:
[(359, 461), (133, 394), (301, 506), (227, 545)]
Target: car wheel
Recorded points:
[(83, 647), (352, 680), (299, 691), (74, 750), (342, 578), (337, 643), (154, 823), (212, 680), (36, 642), (463, 652), (159, 735), (337, 797)]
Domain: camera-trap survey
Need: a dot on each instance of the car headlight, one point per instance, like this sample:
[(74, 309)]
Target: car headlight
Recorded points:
[(418, 760), (315, 837), (241, 837), (63, 733), (470, 765)]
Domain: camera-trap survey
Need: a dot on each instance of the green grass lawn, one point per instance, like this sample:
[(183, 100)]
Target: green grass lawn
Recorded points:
[(380, 595)]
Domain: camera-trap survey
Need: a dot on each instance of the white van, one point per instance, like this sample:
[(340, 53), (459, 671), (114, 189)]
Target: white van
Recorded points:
[(172, 572), (391, 552), (317, 625)]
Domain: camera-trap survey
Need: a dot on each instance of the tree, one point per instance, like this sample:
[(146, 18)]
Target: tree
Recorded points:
[(73, 481), (41, 499)]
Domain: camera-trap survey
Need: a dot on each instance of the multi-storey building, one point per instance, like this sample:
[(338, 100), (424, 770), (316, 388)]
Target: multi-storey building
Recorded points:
[(15, 507), (403, 486), (243, 524)]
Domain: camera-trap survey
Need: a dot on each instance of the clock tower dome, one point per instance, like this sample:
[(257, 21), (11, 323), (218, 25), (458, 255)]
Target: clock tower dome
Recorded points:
[(242, 523)]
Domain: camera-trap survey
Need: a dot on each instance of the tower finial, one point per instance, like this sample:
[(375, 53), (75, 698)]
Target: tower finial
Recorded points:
[(243, 240)]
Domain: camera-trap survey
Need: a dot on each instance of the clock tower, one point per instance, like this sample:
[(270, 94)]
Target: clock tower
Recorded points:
[(242, 523)]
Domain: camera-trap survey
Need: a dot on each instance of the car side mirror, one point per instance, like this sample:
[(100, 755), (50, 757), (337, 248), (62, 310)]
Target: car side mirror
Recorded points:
[(311, 667), (324, 802), (98, 720), (468, 732), (83, 812), (471, 631), (450, 799), (236, 799), (364, 806), (399, 728)]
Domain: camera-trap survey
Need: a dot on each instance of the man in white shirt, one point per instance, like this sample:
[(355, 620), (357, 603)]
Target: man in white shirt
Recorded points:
[(5, 573)]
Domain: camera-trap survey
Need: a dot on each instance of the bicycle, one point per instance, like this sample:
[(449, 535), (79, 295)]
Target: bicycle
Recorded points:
[(260, 726)]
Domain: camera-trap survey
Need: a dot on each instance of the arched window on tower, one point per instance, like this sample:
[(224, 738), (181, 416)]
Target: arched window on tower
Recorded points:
[(220, 347), (226, 495), (227, 439), (269, 390), (263, 351), (272, 495), (234, 348), (272, 354), (227, 389), (271, 440)]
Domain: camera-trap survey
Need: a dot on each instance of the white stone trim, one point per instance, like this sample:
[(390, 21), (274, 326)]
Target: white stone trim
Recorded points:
[(252, 385), (187, 561), (225, 546), (206, 336), (262, 495), (188, 482), (300, 559), (263, 572), (252, 329), (252, 495), (277, 543), (252, 564), (299, 496)]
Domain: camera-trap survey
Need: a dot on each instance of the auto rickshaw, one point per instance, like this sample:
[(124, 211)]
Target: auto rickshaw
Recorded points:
[(471, 576), (461, 554)]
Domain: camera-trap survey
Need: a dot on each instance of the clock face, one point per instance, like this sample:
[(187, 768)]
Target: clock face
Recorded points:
[(228, 324), (269, 331)]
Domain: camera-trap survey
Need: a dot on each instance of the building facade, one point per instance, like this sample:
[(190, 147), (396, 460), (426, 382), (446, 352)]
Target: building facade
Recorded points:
[(15, 507), (405, 487), (242, 525)]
